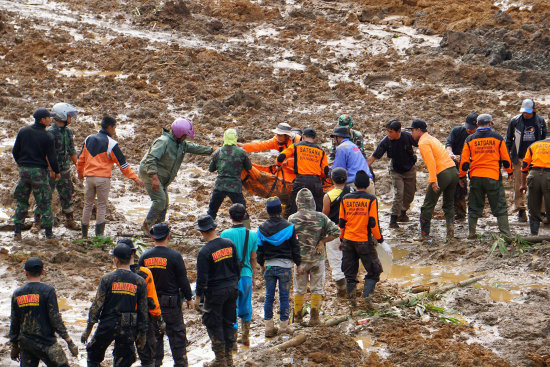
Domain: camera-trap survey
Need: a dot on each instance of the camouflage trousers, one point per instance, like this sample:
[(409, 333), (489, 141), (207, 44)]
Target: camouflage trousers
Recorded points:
[(32, 353), (36, 180), (65, 189)]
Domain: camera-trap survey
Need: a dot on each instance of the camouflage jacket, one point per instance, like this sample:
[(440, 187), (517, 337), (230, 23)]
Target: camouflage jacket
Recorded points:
[(311, 226), (229, 161), (64, 145), (356, 138)]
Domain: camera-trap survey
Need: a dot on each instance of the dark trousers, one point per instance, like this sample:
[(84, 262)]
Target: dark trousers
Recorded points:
[(352, 252), (175, 330), (538, 183), (460, 201), (147, 354), (310, 182), (33, 352), (217, 199), (221, 313), (124, 353), (493, 189), (446, 180)]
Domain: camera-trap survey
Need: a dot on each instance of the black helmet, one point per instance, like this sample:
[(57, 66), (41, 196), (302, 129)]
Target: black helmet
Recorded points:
[(339, 175), (341, 131)]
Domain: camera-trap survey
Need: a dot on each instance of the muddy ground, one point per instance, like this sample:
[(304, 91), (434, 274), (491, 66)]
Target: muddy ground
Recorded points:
[(251, 65)]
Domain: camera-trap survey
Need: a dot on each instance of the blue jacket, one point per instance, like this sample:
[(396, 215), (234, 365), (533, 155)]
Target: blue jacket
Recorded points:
[(277, 240), (349, 156)]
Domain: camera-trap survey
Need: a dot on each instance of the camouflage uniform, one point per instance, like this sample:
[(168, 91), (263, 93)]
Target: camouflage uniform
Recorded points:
[(229, 161), (356, 138), (35, 179), (311, 227), (64, 146), (35, 319)]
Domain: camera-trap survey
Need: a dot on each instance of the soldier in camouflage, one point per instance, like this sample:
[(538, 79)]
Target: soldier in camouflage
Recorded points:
[(313, 230), (64, 114), (35, 320), (229, 161), (34, 151), (356, 137)]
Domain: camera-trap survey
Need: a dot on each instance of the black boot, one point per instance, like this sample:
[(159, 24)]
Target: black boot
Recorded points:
[(450, 228), (522, 217), (425, 227), (229, 356), (369, 287), (17, 232), (350, 287), (403, 217), (534, 225), (100, 229), (48, 233), (84, 229), (393, 222)]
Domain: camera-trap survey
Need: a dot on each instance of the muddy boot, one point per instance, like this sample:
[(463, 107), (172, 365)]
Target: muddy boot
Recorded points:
[(450, 228), (341, 288), (270, 329), (219, 352), (69, 222), (235, 348), (100, 229), (285, 328), (534, 226), (162, 216), (425, 227), (368, 288), (48, 233), (503, 225), (350, 288), (84, 229), (393, 222), (245, 332), (522, 216), (17, 232), (472, 224), (403, 217), (229, 355), (145, 228), (316, 300), (298, 308), (37, 225)]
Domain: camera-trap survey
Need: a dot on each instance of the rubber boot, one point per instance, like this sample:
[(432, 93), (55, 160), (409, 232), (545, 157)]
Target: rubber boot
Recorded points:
[(425, 227), (235, 337), (246, 223), (270, 329), (150, 220), (503, 225), (37, 225), (219, 352), (285, 328), (17, 232), (534, 226), (368, 288), (393, 221), (403, 217), (350, 288), (245, 333), (84, 229), (162, 216), (472, 224), (341, 288), (69, 222), (298, 308), (48, 233), (450, 228), (229, 356), (316, 300), (100, 229), (522, 217)]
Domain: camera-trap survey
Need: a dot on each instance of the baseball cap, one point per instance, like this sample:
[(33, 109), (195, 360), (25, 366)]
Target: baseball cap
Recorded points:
[(418, 124), (273, 205), (34, 265), (205, 223), (310, 133), (122, 251), (527, 106), (41, 113), (484, 118), (471, 121), (160, 231)]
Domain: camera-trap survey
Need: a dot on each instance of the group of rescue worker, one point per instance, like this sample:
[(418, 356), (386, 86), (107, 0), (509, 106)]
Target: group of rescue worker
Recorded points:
[(138, 304)]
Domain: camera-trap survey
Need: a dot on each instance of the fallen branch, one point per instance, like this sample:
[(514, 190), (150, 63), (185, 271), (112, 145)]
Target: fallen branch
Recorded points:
[(11, 227), (531, 239), (294, 342)]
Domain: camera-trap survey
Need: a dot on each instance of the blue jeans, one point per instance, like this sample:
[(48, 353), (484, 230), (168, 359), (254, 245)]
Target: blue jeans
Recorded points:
[(244, 301), (284, 276)]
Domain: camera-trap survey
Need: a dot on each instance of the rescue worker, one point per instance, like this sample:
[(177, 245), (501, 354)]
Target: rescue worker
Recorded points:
[(161, 164), (310, 165), (229, 161), (523, 130), (246, 245), (536, 176), (33, 151), (155, 321), (348, 156), (360, 227), (443, 177), (64, 114), (120, 307), (398, 145), (278, 248), (454, 145), (172, 285), (313, 229), (99, 153), (483, 154), (35, 320), (355, 137), (218, 270), (284, 137), (331, 208)]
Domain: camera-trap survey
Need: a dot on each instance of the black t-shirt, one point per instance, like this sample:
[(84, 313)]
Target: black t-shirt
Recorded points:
[(168, 271), (530, 135), (218, 266), (32, 145), (456, 139), (400, 151), (35, 315)]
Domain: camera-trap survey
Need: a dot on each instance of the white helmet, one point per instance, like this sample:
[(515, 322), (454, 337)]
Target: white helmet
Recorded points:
[(61, 111)]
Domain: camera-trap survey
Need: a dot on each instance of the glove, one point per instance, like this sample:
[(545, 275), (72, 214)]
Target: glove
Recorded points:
[(161, 325), (140, 340), (72, 347), (386, 248), (86, 334), (14, 353)]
